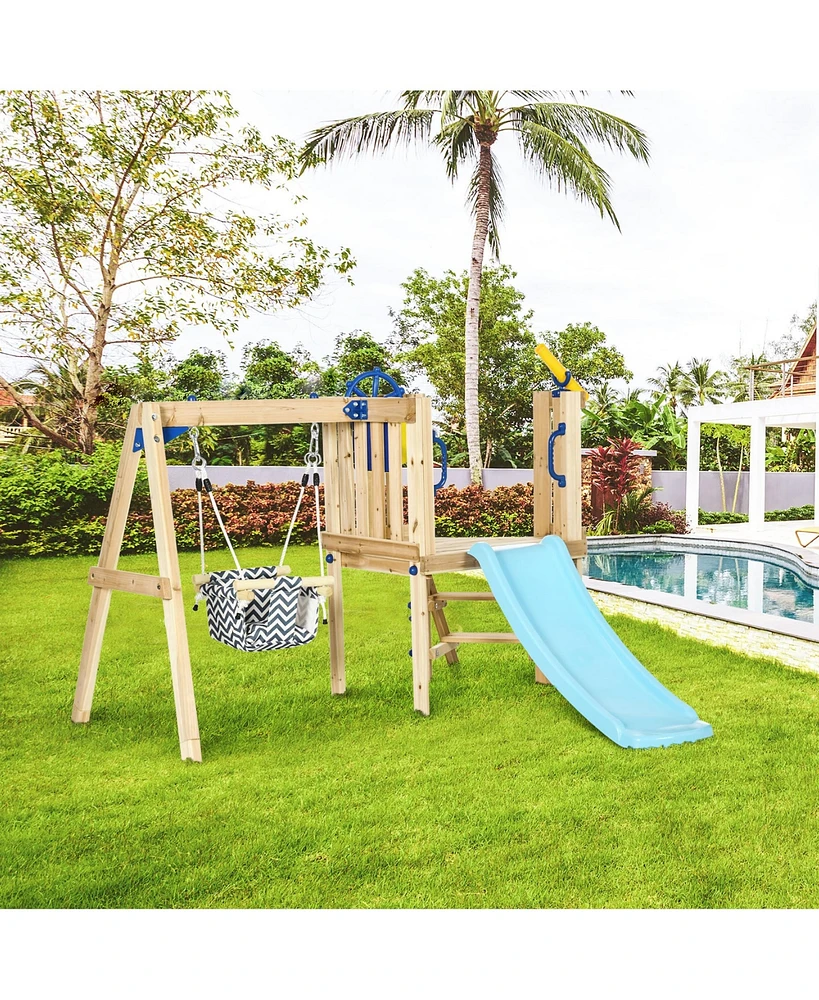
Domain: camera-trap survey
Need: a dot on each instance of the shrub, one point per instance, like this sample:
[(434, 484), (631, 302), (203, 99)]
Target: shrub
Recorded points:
[(660, 528)]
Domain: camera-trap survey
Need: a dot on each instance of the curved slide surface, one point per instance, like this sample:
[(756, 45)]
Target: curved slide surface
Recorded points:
[(546, 602)]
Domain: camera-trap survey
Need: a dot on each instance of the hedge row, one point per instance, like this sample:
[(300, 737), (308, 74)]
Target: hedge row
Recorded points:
[(805, 513), (256, 514)]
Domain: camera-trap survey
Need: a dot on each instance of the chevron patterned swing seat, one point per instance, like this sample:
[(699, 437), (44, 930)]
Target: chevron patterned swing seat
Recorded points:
[(276, 615)]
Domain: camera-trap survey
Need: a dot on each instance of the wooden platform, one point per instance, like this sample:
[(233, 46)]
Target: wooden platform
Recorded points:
[(453, 553)]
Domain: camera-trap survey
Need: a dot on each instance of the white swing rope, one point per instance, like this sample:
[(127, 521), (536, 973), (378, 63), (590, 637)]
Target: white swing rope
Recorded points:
[(312, 461)]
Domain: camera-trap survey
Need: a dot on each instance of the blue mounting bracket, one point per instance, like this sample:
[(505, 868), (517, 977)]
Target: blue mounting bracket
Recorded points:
[(559, 432), (356, 409), (168, 433)]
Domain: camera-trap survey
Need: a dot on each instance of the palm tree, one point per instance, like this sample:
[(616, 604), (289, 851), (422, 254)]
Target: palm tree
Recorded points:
[(464, 125), (668, 382), (701, 384)]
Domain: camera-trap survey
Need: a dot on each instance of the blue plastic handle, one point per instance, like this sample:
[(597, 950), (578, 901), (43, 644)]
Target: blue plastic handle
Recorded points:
[(561, 430), (444, 462)]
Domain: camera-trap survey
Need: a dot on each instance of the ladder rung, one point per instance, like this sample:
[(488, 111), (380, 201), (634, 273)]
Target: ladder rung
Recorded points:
[(458, 637)]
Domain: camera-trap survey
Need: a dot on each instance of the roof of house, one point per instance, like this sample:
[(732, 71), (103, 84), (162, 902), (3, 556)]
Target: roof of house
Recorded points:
[(6, 399)]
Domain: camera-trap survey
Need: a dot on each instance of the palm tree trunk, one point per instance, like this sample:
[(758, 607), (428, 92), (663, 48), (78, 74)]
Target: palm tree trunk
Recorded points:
[(473, 315)]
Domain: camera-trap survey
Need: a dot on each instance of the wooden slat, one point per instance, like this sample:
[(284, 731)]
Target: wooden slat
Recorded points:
[(542, 409), (395, 488), (459, 637), (242, 586), (346, 484), (173, 609), (231, 412), (362, 480), (109, 556), (130, 583), (364, 545), (376, 564), (376, 484)]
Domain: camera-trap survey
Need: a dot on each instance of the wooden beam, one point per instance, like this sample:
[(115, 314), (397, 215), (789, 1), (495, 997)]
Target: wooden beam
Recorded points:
[(376, 564), (364, 545), (542, 417), (443, 649), (421, 641), (346, 485), (109, 556), (459, 637), (174, 609), (436, 610), (242, 586), (421, 495), (130, 583), (232, 412), (445, 562), (464, 595)]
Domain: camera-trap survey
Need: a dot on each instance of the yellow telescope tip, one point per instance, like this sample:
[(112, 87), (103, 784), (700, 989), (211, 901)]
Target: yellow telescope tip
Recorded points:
[(556, 368)]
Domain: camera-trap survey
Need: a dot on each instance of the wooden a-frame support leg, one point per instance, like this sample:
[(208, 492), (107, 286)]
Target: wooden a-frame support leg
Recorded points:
[(148, 418), (109, 556), (174, 609), (421, 641)]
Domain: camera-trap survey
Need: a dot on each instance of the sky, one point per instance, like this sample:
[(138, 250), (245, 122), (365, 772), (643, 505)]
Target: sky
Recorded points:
[(717, 251)]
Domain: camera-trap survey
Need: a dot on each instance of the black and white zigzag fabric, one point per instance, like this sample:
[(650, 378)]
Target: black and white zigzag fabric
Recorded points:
[(281, 618)]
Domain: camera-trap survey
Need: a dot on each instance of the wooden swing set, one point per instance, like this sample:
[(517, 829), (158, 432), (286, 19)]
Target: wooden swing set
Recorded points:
[(365, 524)]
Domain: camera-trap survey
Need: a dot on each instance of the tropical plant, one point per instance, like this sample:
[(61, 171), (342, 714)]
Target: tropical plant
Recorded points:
[(464, 125), (115, 231), (615, 471), (668, 384), (702, 383), (632, 510)]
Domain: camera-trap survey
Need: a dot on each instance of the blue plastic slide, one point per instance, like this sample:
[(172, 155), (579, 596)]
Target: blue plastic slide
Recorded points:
[(545, 601)]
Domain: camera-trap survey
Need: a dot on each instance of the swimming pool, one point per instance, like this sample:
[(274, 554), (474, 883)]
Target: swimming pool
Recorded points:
[(732, 578)]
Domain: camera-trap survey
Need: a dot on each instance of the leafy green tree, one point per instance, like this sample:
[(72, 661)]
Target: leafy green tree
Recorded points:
[(353, 354), (429, 335), (553, 137), (582, 348), (203, 373), (114, 231)]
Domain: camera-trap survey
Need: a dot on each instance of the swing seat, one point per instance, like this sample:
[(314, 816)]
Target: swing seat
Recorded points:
[(278, 618)]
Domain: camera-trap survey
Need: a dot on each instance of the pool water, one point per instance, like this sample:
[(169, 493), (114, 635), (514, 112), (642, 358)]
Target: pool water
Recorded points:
[(753, 584)]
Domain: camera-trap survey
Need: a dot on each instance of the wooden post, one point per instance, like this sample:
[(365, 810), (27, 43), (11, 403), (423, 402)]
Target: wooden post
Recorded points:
[(422, 532), (174, 609), (109, 556), (568, 512), (331, 447), (542, 483)]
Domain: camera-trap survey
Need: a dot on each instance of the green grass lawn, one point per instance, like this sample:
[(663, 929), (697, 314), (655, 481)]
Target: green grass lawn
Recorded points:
[(504, 797)]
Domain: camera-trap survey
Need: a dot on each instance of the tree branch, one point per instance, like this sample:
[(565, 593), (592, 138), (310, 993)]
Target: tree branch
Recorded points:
[(35, 420)]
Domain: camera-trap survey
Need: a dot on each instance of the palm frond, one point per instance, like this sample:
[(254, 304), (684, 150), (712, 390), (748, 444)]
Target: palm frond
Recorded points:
[(458, 143), (567, 165), (578, 122), (496, 204), (365, 134)]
